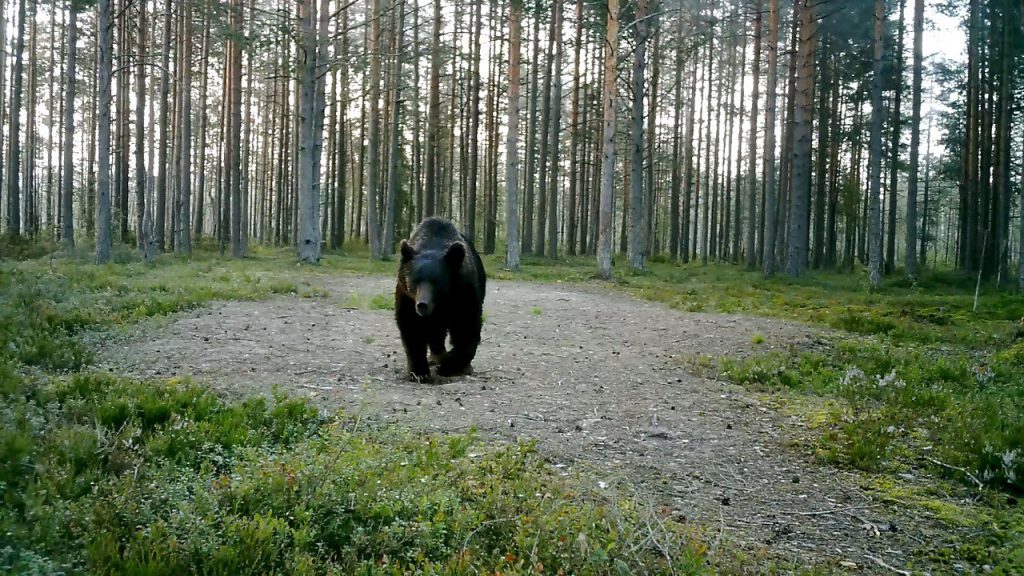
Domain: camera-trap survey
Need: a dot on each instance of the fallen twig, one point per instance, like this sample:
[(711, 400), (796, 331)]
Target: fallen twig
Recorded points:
[(882, 563), (958, 469), (315, 387), (830, 511)]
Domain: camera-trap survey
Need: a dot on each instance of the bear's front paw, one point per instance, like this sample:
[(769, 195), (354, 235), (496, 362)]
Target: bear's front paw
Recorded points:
[(420, 377)]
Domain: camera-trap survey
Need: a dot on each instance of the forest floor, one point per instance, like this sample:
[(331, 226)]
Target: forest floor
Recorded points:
[(601, 381)]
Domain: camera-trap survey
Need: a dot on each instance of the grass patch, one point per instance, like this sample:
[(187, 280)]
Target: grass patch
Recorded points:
[(107, 475)]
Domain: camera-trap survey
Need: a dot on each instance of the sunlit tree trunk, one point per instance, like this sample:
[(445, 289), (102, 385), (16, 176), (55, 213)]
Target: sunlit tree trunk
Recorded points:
[(604, 240)]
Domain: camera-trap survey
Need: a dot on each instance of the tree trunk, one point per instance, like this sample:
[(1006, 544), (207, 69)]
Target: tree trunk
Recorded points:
[(14, 126), (68, 186), (373, 145), (894, 148), (751, 236), (556, 120), (770, 205), (143, 224), (804, 104), (515, 27), (677, 123), (104, 70), (875, 149), (183, 245), (540, 232), (388, 247), (235, 132), (160, 205), (433, 117), (910, 250), (604, 240), (308, 199), (197, 227), (574, 138)]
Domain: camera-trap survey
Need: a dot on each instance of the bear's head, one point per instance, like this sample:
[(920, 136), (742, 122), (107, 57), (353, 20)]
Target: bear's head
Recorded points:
[(428, 274)]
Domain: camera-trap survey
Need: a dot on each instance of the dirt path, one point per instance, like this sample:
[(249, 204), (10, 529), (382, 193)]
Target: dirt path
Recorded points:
[(595, 377)]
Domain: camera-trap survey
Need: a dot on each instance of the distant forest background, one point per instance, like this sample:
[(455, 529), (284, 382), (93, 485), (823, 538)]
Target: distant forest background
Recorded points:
[(779, 136)]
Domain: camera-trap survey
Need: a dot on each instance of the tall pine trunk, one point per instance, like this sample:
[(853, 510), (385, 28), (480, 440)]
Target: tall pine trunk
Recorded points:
[(750, 238), (556, 120), (104, 70), (67, 188), (875, 150), (910, 249), (604, 237), (803, 107), (515, 27), (14, 126), (771, 202)]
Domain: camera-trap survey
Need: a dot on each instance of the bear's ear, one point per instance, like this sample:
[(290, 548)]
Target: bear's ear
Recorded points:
[(455, 255), (407, 252)]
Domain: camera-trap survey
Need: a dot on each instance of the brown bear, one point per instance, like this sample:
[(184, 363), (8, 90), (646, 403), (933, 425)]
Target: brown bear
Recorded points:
[(440, 292)]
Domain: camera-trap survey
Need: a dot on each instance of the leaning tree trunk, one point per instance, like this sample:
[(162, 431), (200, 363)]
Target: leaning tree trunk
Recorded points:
[(67, 188), (875, 150), (515, 31), (104, 70), (910, 250), (770, 203), (799, 204), (637, 227), (604, 237)]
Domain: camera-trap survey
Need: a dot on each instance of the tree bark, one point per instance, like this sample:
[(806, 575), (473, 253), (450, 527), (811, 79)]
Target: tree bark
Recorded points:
[(910, 250), (68, 186), (804, 104), (770, 205), (396, 102), (235, 131), (515, 27), (183, 245), (875, 149), (14, 129), (104, 69), (373, 144), (556, 121), (604, 240), (750, 240), (433, 117)]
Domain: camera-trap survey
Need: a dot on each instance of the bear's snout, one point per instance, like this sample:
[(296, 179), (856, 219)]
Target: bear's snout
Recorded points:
[(423, 308)]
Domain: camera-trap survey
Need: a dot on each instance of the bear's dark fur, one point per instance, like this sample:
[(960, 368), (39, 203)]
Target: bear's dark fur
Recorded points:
[(440, 292)]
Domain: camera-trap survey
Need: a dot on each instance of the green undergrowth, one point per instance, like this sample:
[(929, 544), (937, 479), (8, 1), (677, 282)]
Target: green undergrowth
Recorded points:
[(106, 475), (102, 474)]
